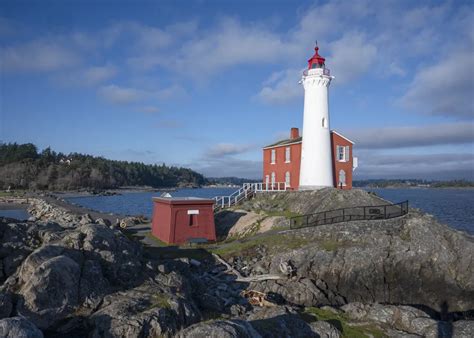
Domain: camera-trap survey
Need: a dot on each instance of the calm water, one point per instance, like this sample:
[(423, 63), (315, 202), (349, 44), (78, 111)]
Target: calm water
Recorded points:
[(19, 214), (454, 207), (140, 203)]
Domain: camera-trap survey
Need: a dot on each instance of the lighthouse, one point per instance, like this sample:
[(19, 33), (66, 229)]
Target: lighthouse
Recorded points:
[(316, 170)]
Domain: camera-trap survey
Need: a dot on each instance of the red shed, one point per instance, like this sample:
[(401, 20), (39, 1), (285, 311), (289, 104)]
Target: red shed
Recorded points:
[(178, 219)]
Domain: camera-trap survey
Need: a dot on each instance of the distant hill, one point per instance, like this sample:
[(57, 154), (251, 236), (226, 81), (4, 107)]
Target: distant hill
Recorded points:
[(230, 180), (406, 183), (23, 167)]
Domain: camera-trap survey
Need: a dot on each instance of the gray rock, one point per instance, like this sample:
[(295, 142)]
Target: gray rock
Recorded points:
[(279, 321), (324, 329), (220, 329), (6, 304), (104, 222), (408, 260), (32, 219), (18, 327), (145, 311), (50, 290), (463, 328)]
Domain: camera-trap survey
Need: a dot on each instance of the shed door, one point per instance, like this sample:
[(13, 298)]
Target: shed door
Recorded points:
[(191, 226)]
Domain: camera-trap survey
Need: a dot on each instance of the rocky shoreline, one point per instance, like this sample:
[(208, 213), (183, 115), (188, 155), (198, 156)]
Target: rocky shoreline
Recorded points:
[(64, 274)]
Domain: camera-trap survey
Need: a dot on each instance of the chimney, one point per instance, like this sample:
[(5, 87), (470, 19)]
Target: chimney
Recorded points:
[(295, 133)]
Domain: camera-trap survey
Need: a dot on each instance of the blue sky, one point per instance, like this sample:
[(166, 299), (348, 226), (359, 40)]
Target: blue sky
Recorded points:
[(206, 84)]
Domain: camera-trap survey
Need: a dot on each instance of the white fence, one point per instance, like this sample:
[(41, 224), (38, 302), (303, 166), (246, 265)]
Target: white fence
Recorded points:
[(247, 191)]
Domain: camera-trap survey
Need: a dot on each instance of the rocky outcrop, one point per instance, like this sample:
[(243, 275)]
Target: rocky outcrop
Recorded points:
[(408, 260), (88, 279), (306, 202), (407, 319)]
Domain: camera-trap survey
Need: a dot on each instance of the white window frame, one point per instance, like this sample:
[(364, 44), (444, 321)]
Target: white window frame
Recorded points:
[(344, 151), (273, 178), (287, 154), (273, 156), (267, 179)]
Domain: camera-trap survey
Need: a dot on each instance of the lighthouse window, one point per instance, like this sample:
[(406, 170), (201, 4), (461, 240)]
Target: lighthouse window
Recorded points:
[(287, 154), (324, 123), (273, 156)]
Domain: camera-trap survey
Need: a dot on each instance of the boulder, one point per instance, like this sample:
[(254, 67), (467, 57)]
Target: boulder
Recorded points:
[(50, 290), (145, 311), (324, 329), (18, 327)]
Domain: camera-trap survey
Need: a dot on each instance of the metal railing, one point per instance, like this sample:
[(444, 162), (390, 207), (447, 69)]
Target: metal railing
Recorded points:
[(325, 71), (350, 214), (247, 191)]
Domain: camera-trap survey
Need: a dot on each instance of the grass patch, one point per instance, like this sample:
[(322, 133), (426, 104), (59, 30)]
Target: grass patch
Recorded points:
[(159, 300), (157, 241), (340, 321), (273, 242), (13, 193)]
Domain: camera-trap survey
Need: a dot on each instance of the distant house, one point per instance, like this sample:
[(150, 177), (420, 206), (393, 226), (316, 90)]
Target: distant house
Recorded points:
[(282, 161), (66, 161)]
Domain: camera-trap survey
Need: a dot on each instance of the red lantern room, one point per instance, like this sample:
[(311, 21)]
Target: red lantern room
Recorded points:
[(317, 61)]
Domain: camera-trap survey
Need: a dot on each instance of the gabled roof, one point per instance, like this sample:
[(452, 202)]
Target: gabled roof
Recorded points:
[(284, 142), (345, 138), (298, 140)]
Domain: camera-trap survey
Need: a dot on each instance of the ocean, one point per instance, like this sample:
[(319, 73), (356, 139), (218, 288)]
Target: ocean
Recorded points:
[(454, 207)]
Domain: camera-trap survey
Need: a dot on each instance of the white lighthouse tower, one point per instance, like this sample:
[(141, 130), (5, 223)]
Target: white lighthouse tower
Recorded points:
[(316, 155)]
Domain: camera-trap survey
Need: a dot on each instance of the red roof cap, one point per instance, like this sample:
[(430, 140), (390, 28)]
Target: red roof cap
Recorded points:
[(316, 59)]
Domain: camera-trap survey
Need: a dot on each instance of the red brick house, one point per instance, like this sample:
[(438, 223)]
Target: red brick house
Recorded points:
[(282, 160)]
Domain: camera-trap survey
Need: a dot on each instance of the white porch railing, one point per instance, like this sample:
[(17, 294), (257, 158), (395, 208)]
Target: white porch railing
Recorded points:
[(247, 191), (268, 187)]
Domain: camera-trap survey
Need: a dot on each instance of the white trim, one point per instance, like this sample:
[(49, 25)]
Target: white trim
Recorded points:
[(345, 138), (281, 145)]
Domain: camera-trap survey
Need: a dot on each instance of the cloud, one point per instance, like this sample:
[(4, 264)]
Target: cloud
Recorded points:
[(281, 87), (37, 56), (88, 76), (125, 95), (120, 95), (148, 109), (352, 55), (226, 149), (98, 74), (445, 88), (425, 166), (404, 137), (227, 44)]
